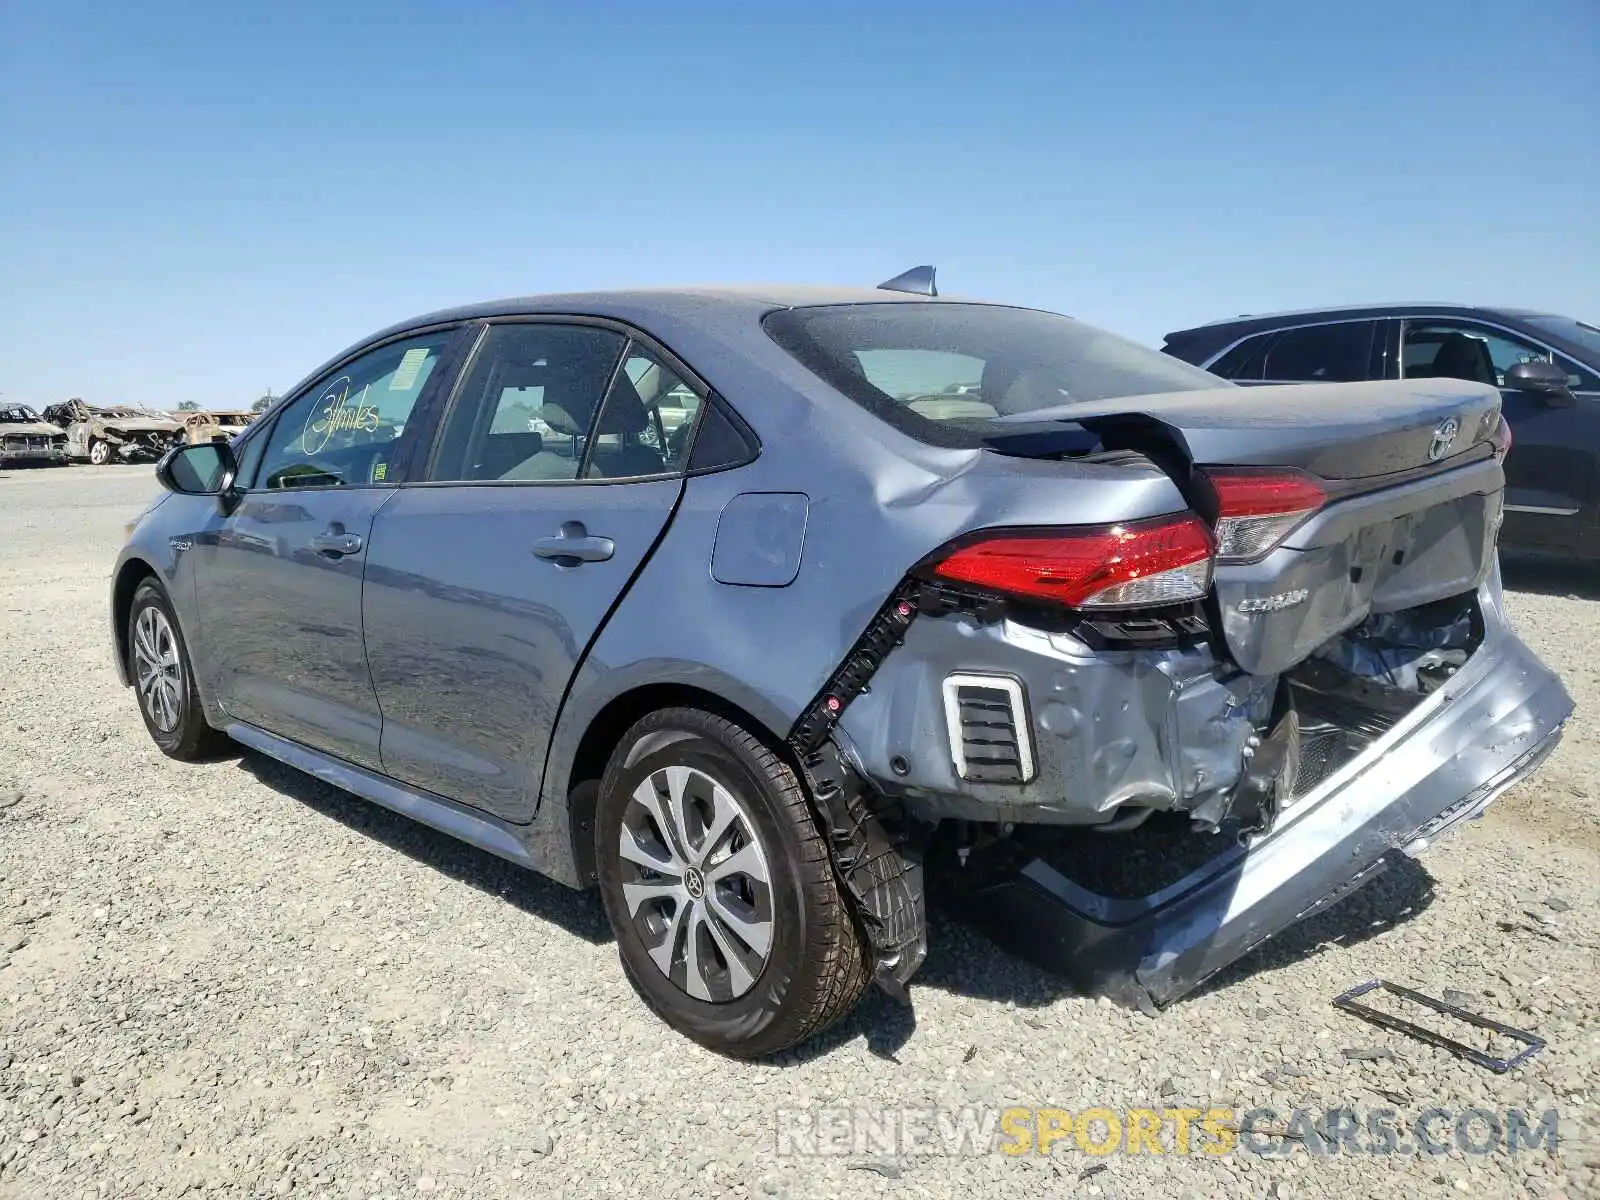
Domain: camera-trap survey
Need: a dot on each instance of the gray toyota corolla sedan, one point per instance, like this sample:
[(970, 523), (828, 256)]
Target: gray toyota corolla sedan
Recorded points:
[(753, 607)]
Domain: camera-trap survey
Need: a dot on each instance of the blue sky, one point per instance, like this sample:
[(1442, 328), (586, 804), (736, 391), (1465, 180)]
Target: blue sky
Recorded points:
[(199, 201)]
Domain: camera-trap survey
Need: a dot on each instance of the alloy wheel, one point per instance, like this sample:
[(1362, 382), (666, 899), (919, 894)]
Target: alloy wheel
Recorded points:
[(158, 671), (696, 883)]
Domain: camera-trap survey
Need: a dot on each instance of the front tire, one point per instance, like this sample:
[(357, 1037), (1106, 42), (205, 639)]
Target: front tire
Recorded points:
[(729, 920), (99, 452), (163, 679)]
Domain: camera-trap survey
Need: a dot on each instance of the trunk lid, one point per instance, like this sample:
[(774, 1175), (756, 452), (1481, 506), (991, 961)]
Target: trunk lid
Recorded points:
[(1338, 431), (1414, 489)]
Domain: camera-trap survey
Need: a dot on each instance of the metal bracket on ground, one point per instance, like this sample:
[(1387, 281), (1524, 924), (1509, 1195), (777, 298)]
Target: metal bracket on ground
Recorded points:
[(1532, 1042)]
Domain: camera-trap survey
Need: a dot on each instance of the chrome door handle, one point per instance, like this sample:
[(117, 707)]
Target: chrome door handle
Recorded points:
[(336, 544), (573, 546)]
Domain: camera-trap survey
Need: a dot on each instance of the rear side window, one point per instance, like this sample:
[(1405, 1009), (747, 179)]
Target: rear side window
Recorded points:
[(646, 422), (528, 404), (952, 374), (1244, 361), (1337, 353)]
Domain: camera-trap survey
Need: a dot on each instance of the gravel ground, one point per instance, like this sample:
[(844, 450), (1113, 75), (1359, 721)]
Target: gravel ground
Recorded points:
[(229, 979)]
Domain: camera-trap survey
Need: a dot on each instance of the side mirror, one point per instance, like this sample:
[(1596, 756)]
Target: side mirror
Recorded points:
[(1540, 378), (204, 469)]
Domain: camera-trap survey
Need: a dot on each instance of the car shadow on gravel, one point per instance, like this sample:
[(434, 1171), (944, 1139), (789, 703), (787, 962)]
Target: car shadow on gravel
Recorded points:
[(1398, 895), (1550, 578), (961, 961), (574, 912)]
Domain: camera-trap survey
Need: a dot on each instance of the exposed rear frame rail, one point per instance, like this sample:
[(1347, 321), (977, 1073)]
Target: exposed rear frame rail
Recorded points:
[(871, 847)]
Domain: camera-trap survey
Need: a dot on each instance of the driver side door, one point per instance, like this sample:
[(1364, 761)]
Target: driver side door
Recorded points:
[(1551, 474), (278, 580)]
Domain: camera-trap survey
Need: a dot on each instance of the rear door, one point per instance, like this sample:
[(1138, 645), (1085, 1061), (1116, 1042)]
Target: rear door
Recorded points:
[(278, 579), (556, 471), (1551, 480)]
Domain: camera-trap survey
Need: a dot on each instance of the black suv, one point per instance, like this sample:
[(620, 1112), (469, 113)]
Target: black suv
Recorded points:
[(1547, 368)]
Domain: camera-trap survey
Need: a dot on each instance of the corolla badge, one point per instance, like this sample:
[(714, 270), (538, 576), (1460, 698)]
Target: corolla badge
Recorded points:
[(1443, 438), (1277, 603)]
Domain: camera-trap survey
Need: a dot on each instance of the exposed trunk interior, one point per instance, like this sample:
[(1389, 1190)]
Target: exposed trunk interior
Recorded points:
[(1347, 695)]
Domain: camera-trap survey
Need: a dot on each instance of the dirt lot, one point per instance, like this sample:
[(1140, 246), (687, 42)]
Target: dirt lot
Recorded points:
[(230, 979)]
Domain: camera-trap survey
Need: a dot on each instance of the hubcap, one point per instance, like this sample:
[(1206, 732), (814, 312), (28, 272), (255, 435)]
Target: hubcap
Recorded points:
[(158, 672), (696, 883)]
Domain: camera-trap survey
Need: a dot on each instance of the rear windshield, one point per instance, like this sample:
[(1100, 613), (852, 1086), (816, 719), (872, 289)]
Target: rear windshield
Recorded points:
[(950, 373)]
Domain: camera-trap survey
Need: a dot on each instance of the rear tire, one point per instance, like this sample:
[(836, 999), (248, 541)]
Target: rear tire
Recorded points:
[(731, 925), (163, 679), (99, 452)]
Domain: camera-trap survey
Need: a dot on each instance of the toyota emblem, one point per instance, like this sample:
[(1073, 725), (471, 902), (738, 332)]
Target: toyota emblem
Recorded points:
[(1443, 438)]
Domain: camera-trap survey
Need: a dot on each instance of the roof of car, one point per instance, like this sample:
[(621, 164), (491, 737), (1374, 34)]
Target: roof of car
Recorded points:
[(1401, 306), (694, 302)]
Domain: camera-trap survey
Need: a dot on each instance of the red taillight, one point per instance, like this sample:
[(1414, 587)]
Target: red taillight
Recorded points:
[(1258, 507), (1165, 560)]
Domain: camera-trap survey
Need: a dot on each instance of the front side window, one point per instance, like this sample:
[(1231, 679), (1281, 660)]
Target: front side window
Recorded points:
[(1336, 353), (1445, 350), (343, 431), (952, 374)]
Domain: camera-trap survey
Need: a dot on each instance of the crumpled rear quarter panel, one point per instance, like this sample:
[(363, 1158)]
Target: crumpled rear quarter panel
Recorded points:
[(1161, 729)]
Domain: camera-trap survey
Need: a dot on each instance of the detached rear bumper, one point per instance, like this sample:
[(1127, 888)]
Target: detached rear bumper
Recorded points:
[(1443, 764)]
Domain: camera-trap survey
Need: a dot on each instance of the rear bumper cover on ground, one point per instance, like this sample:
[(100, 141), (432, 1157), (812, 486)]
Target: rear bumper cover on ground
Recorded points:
[(1441, 765)]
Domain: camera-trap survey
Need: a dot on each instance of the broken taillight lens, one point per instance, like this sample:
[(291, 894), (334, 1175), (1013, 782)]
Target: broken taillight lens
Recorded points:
[(1502, 439), (1258, 507), (1165, 560)]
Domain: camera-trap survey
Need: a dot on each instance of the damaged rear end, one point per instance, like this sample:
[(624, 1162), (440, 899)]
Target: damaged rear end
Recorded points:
[(1152, 745)]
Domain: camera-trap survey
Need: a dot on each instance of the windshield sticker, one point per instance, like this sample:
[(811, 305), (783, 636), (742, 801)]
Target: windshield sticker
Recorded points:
[(335, 413), (405, 375)]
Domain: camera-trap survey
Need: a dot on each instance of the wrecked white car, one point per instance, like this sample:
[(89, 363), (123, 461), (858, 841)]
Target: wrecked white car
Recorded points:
[(120, 433), (26, 438)]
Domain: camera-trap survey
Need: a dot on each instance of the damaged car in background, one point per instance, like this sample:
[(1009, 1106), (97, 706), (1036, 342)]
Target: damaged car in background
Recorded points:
[(120, 433), (208, 425), (1131, 665), (27, 438)]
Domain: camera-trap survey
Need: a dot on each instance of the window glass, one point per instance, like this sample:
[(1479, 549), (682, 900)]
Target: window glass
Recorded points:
[(344, 431), (528, 403), (1442, 350), (936, 384), (646, 422), (718, 442), (250, 455), (1244, 360), (1337, 353), (1583, 333), (952, 374)]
